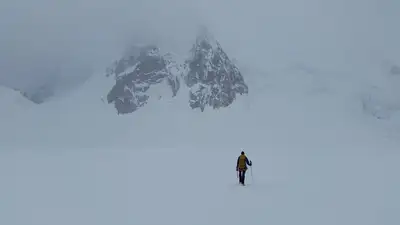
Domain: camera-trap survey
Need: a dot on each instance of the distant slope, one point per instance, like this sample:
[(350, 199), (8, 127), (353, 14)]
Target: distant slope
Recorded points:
[(294, 108), (12, 102), (208, 100)]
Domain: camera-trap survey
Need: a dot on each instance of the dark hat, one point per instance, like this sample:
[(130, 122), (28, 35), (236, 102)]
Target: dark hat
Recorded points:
[(242, 153)]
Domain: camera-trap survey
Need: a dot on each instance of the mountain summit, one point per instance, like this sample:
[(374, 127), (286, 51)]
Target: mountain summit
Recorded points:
[(212, 78), (135, 75)]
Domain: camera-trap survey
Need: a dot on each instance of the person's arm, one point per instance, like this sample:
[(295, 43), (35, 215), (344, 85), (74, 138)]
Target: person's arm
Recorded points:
[(248, 162)]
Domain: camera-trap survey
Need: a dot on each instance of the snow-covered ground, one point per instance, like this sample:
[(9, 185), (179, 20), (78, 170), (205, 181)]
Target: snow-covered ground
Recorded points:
[(318, 159), (197, 186), (321, 122), (12, 103)]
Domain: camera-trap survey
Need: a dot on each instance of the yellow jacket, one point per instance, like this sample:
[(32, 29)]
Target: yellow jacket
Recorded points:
[(242, 163)]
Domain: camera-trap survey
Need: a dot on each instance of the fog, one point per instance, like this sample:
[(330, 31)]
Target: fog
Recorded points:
[(42, 39)]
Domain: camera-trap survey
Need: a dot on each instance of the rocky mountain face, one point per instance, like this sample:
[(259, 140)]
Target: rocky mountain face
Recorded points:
[(135, 75), (212, 78)]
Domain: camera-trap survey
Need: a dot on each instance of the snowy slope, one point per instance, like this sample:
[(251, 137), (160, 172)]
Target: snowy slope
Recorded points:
[(318, 157), (12, 102), (311, 109), (320, 121), (128, 186)]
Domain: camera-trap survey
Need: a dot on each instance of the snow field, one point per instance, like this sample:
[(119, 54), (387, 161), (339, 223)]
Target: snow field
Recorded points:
[(196, 186)]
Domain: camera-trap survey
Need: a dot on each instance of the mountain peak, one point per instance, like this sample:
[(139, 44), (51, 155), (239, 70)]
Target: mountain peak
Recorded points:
[(135, 74), (213, 79)]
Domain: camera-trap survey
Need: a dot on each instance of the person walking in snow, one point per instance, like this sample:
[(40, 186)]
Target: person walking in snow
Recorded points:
[(241, 166)]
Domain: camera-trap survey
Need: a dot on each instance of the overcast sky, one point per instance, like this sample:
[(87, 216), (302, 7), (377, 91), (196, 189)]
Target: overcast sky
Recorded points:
[(44, 38)]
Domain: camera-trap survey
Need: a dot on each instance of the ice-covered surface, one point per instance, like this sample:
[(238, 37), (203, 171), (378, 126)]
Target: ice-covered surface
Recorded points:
[(320, 156), (198, 186), (320, 120)]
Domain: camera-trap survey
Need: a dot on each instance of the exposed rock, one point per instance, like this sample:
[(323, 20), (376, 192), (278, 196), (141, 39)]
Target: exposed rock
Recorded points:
[(136, 73), (40, 95), (213, 78)]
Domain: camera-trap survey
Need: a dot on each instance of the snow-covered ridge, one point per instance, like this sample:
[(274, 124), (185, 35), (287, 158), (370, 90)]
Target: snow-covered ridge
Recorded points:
[(12, 102), (212, 78), (135, 76)]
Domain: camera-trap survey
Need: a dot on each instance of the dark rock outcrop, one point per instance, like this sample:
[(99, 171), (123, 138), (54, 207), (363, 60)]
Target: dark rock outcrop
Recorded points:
[(39, 95), (136, 73), (213, 78)]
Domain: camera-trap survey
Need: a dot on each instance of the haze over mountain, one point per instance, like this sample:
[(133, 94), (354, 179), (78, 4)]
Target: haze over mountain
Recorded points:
[(213, 78), (308, 89), (39, 37)]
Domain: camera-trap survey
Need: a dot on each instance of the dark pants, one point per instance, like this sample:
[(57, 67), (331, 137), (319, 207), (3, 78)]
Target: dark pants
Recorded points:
[(242, 175)]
